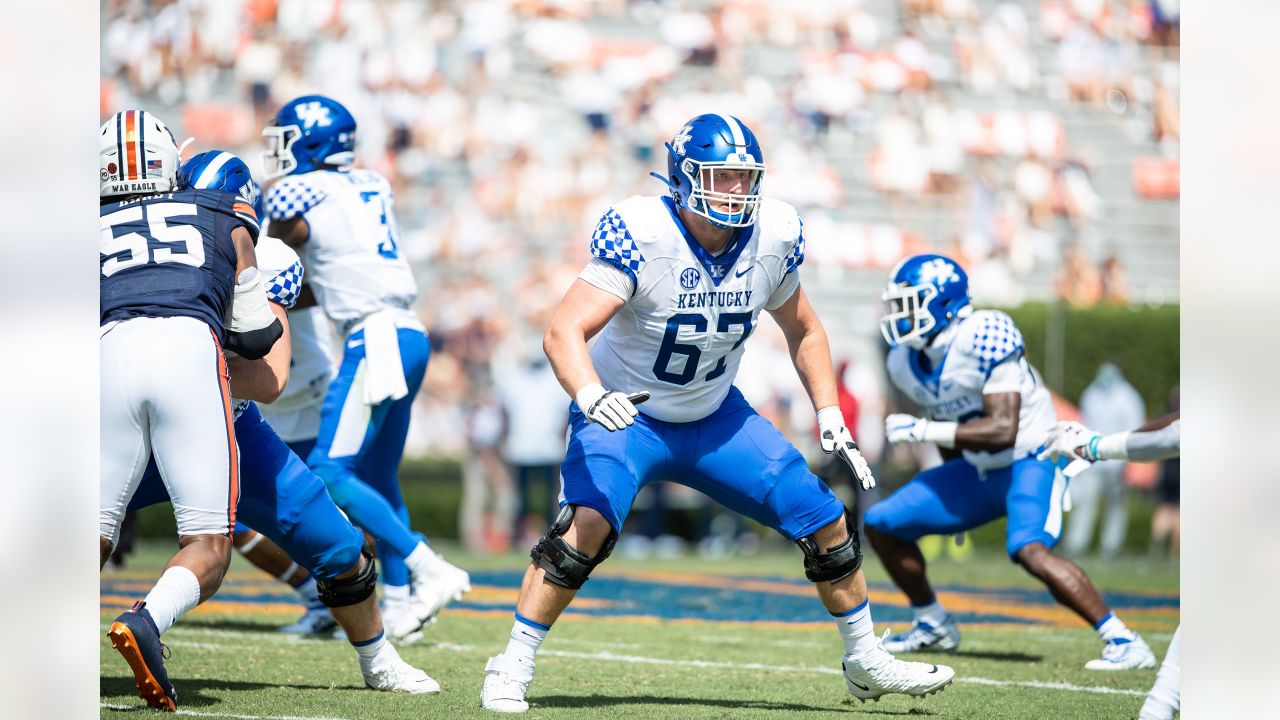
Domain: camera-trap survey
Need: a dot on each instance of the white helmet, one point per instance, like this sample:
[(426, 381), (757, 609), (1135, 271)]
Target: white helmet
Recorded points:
[(138, 155)]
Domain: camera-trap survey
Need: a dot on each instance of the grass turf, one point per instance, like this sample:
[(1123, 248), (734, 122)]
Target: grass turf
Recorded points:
[(229, 660)]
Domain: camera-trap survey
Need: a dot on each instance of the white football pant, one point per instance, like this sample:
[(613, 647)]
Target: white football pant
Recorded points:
[(165, 391)]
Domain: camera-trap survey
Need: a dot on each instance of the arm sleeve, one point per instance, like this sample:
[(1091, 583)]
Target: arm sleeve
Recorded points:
[(1161, 444), (608, 277), (1004, 378)]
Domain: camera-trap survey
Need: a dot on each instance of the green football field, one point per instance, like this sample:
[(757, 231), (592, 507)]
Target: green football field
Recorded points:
[(738, 638)]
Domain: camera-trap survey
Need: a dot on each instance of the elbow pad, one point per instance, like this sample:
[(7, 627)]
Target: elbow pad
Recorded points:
[(255, 344)]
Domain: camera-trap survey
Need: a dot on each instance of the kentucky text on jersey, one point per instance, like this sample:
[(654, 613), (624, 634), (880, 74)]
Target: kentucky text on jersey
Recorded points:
[(738, 298)]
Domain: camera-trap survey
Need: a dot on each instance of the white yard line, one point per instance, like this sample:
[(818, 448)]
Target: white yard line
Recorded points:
[(710, 664), (234, 716)]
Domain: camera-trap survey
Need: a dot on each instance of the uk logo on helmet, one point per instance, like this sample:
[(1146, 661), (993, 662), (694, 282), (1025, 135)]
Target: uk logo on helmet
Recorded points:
[(689, 278), (938, 272), (314, 114), (678, 142)]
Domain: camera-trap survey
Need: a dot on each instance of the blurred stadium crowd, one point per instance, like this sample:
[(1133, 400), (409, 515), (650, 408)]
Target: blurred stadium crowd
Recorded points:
[(1036, 141)]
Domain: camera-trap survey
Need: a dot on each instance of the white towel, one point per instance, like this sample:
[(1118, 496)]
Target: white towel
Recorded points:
[(384, 376)]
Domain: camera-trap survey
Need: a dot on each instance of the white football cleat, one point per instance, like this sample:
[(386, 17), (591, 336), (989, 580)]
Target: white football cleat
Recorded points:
[(1124, 653), (506, 681), (877, 673), (316, 621), (386, 671), (434, 590), (924, 637)]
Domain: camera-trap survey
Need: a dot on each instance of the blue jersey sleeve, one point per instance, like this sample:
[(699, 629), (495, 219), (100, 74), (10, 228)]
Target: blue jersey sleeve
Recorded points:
[(292, 197), (612, 242)]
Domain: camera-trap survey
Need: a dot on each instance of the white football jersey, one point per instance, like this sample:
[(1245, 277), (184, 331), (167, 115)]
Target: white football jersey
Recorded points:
[(680, 334), (282, 275), (353, 257), (952, 391), (295, 415)]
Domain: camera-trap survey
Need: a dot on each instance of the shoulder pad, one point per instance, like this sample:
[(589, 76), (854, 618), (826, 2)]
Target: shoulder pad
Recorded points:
[(231, 204), (291, 197), (781, 232), (612, 242), (990, 338)]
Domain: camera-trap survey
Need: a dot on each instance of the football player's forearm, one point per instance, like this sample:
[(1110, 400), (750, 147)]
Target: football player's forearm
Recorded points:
[(567, 351), (263, 380), (987, 434), (811, 355)]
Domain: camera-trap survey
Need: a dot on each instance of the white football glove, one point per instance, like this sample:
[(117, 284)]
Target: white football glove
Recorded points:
[(835, 438), (1072, 440), (903, 428), (612, 409)]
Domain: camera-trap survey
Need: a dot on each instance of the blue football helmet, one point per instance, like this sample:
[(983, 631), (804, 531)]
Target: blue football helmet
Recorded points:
[(707, 144), (218, 170), (924, 295), (309, 133)]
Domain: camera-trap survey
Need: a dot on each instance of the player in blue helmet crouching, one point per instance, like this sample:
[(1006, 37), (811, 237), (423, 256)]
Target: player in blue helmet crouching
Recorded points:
[(279, 496), (676, 285), (989, 412)]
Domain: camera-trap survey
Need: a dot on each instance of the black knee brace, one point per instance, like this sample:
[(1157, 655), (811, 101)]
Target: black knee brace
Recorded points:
[(838, 562), (349, 591), (566, 566)]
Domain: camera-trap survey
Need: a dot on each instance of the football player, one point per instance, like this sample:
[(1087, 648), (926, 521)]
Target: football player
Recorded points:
[(989, 411), (174, 266), (675, 288), (1160, 439), (280, 496), (340, 218)]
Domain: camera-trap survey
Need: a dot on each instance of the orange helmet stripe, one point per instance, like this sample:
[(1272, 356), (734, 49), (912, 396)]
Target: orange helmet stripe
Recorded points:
[(131, 152)]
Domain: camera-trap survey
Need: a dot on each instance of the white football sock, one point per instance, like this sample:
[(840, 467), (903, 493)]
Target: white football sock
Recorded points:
[(1165, 696), (368, 649), (526, 636), (395, 594), (1112, 627), (857, 630), (175, 593), (933, 613), (420, 560)]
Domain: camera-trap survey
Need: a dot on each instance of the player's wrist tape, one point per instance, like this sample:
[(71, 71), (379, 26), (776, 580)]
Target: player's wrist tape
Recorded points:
[(588, 395), (249, 308), (830, 417), (942, 434), (1111, 447)]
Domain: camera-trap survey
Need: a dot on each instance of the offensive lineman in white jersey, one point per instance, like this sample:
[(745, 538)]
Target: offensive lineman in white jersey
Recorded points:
[(340, 220), (989, 411), (677, 285)]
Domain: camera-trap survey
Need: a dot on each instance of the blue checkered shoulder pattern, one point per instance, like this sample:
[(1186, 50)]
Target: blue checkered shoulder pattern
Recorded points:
[(292, 197), (993, 339), (612, 243), (283, 289), (796, 257)]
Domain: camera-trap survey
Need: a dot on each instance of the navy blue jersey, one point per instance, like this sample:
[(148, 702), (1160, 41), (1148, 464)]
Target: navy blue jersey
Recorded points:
[(171, 255)]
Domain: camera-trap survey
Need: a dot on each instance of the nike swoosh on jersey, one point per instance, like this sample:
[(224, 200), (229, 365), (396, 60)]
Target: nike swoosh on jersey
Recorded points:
[(748, 269)]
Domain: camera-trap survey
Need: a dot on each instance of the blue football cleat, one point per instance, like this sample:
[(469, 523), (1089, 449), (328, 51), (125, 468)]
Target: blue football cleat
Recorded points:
[(134, 635)]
